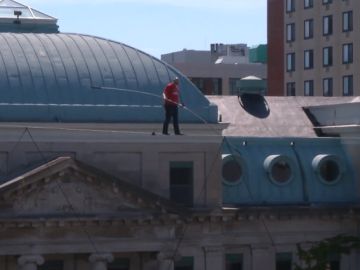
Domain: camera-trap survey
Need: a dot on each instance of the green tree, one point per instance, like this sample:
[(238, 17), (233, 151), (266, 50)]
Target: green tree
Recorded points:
[(317, 257)]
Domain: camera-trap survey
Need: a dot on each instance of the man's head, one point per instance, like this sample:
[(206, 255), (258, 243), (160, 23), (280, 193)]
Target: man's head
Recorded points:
[(176, 80)]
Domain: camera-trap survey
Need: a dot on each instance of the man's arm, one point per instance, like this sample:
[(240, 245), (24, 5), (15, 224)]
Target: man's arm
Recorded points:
[(165, 94)]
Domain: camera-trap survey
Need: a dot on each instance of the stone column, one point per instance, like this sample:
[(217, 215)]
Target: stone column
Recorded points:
[(214, 257), (30, 262), (99, 261)]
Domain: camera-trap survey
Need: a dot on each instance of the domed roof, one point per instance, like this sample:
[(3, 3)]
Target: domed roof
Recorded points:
[(51, 77)]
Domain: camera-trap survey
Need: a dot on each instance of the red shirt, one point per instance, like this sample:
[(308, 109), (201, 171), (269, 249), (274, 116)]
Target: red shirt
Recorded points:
[(171, 93)]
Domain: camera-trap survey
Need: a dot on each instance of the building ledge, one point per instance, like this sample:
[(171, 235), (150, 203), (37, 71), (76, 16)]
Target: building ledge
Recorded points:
[(340, 130), (111, 132)]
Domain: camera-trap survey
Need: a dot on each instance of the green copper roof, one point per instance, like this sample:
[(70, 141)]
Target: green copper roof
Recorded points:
[(50, 77), (287, 171)]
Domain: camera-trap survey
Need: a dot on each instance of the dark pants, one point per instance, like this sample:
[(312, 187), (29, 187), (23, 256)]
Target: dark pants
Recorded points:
[(171, 111)]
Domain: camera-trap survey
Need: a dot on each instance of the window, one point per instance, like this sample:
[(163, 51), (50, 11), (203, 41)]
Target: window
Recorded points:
[(235, 86), (290, 32), (52, 265), (347, 21), (232, 169), (290, 62), (348, 85), (328, 87), (308, 28), (233, 262), (308, 3), (347, 53), (290, 89), (327, 25), (284, 261), (327, 56), (328, 168), (280, 169), (329, 171), (119, 264), (181, 182), (308, 59), (325, 2), (290, 6), (186, 263), (309, 88), (208, 86)]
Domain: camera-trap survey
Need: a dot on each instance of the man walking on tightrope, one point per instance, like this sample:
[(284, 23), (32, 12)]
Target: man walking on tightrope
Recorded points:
[(171, 98)]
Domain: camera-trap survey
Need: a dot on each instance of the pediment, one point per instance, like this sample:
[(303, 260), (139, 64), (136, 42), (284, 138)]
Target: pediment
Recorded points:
[(65, 187)]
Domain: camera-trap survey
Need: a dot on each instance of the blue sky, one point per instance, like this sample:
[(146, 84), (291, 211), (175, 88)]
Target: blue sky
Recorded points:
[(162, 26)]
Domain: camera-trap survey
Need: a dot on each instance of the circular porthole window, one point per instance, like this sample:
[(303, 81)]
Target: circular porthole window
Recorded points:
[(232, 169), (329, 168), (280, 169)]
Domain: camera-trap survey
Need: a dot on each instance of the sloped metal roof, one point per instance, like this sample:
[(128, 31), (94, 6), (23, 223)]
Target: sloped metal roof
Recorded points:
[(50, 77), (258, 116)]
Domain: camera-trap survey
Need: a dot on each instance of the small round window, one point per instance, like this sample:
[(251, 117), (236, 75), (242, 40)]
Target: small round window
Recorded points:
[(279, 169), (232, 169), (328, 167)]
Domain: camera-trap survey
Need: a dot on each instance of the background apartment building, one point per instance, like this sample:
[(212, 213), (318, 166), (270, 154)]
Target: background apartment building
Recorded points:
[(220, 70), (319, 44)]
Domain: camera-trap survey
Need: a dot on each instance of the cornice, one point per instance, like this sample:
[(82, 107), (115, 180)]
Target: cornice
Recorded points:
[(227, 216)]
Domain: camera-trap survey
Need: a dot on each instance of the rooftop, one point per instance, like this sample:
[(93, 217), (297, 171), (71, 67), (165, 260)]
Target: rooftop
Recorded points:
[(259, 116), (16, 17)]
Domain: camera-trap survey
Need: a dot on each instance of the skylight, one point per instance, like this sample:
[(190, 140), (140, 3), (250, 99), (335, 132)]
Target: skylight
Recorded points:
[(9, 7)]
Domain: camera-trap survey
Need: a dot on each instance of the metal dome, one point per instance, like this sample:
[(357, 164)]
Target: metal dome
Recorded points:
[(49, 77)]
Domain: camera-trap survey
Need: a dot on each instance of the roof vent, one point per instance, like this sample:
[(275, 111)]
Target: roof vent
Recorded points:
[(252, 85)]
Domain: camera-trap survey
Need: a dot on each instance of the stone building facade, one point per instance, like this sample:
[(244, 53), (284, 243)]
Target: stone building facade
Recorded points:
[(87, 182)]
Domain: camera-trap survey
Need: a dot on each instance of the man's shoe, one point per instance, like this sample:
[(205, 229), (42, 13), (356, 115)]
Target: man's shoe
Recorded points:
[(164, 133), (179, 134)]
